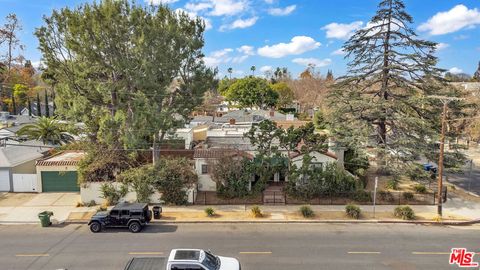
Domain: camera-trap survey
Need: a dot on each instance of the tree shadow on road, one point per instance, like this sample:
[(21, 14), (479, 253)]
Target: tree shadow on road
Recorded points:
[(147, 229)]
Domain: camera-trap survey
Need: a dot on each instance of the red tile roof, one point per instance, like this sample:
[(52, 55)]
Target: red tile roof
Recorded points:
[(217, 153), (66, 158)]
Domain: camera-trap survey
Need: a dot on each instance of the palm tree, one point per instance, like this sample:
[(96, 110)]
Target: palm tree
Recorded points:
[(48, 130), (253, 68), (230, 70)]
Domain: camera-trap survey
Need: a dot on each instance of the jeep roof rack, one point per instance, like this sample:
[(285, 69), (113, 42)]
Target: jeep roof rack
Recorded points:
[(129, 206)]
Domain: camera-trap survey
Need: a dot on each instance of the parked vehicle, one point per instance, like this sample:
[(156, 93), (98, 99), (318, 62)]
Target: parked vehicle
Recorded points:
[(133, 216), (185, 259)]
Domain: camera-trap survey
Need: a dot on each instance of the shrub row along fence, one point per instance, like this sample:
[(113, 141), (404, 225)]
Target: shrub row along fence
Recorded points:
[(360, 198)]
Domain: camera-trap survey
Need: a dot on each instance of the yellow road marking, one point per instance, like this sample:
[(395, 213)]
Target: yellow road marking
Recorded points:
[(364, 252), (31, 255), (255, 252), (145, 253), (430, 253)]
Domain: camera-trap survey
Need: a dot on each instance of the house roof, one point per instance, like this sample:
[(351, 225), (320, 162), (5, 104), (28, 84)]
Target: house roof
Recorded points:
[(217, 153), (14, 155), (66, 158), (250, 116), (295, 123)]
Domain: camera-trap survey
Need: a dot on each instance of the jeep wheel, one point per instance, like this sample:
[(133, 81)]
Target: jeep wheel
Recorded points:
[(95, 227), (135, 227)]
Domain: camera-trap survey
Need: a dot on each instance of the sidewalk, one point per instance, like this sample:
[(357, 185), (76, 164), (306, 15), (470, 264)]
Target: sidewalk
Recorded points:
[(24, 208)]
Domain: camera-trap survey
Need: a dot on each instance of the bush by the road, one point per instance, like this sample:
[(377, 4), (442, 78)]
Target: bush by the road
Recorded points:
[(404, 212), (210, 211), (256, 211), (408, 196), (353, 211), (307, 211), (420, 188)]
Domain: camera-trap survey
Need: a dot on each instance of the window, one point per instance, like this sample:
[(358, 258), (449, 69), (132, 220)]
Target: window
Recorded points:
[(317, 165), (186, 267), (204, 168), (125, 213), (114, 213)]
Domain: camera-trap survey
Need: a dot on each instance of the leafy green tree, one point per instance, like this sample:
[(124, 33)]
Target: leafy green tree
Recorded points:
[(20, 92), (383, 100), (224, 84), (285, 94), (29, 107), (118, 72), (230, 71), (173, 178), (252, 92), (232, 176), (47, 130), (253, 68)]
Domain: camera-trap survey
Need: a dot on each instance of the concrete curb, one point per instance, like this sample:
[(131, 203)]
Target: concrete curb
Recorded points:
[(420, 222)]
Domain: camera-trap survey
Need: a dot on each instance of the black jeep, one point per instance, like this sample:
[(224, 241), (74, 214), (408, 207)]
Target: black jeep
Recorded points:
[(131, 215)]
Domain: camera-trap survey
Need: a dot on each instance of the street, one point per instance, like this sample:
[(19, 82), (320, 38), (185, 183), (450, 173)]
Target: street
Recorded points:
[(258, 246)]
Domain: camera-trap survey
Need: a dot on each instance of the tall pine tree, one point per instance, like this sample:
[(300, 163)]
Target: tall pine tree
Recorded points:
[(29, 107), (384, 100), (39, 107), (47, 110)]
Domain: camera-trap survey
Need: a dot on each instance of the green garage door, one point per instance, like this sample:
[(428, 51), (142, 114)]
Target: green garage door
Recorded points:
[(60, 182)]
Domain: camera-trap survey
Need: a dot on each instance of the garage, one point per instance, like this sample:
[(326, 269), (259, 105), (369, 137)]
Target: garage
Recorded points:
[(59, 173), (65, 181)]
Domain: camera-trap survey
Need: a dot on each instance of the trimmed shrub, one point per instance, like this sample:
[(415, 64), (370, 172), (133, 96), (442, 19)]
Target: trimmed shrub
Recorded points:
[(420, 188), (362, 196), (256, 211), (80, 204), (210, 211), (385, 195), (408, 196), (111, 194), (404, 212), (353, 211), (392, 184), (307, 211)]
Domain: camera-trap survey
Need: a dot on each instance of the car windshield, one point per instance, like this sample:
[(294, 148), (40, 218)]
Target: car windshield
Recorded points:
[(211, 261)]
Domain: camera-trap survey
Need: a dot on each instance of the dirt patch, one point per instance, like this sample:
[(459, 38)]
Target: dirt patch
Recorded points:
[(219, 215), (15, 199), (80, 215)]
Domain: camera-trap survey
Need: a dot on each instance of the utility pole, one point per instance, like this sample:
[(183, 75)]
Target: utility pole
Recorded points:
[(445, 100), (440, 161)]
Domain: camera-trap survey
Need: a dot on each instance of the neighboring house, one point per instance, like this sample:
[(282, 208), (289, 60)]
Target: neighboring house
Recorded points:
[(204, 158), (58, 173), (25, 110), (10, 124), (250, 116), (17, 166)]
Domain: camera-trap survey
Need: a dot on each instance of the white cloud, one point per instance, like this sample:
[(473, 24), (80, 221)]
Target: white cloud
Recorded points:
[(269, 1), (455, 70), (239, 24), (339, 52), (218, 57), (247, 50), (298, 45), (441, 46), (455, 19), (266, 69), (239, 59), (282, 11), (227, 7), (197, 7), (312, 61), (158, 2), (38, 64), (342, 31)]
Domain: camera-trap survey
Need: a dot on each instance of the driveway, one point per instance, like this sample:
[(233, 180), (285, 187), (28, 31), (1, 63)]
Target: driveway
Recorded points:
[(24, 207), (469, 180)]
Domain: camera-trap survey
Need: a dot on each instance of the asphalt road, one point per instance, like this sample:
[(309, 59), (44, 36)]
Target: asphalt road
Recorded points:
[(258, 246)]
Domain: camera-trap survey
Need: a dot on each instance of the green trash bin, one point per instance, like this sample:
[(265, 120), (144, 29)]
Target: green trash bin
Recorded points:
[(45, 218)]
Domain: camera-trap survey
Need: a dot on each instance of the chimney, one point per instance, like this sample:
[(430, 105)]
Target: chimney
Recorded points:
[(272, 113), (339, 151), (232, 121)]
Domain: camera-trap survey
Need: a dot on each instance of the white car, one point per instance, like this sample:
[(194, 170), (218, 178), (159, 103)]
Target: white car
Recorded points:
[(185, 259)]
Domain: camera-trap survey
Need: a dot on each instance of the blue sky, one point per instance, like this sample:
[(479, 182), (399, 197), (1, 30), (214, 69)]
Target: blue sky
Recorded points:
[(292, 33)]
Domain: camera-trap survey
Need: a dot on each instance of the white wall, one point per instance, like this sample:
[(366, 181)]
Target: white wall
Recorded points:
[(4, 179), (24, 182), (205, 182), (316, 157), (91, 191)]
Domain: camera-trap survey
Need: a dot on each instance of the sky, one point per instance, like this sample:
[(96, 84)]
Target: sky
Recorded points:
[(291, 33)]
